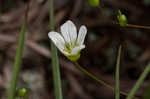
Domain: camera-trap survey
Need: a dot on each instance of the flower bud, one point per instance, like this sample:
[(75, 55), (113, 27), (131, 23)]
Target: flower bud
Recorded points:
[(122, 19), (94, 3), (22, 92)]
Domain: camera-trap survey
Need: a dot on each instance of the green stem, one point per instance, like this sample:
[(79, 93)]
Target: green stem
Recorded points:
[(139, 82), (134, 26), (55, 63), (96, 79), (117, 91), (25, 97), (17, 63), (138, 26)]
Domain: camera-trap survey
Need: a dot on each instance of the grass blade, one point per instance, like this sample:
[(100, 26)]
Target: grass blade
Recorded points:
[(17, 63), (117, 91), (55, 63), (139, 82)]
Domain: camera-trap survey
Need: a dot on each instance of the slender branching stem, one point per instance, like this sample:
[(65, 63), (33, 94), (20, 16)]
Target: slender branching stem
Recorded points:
[(92, 76)]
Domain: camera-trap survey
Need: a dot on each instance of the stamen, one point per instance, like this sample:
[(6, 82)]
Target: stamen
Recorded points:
[(69, 47)]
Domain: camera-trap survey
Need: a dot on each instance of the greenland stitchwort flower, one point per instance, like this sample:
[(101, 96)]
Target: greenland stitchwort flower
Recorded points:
[(68, 42)]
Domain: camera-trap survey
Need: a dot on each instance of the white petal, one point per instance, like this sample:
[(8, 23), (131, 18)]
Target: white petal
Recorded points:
[(77, 49), (65, 53), (82, 34), (57, 39), (69, 32)]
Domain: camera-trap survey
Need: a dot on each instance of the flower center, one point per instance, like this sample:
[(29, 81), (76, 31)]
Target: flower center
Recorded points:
[(69, 46)]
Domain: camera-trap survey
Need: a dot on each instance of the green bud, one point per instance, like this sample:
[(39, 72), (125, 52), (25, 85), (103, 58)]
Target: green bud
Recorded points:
[(122, 19), (22, 92), (94, 3)]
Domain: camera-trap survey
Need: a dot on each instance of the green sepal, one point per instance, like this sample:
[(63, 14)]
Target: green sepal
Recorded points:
[(73, 57)]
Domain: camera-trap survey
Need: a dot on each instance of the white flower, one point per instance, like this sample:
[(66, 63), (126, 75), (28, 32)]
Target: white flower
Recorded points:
[(68, 43)]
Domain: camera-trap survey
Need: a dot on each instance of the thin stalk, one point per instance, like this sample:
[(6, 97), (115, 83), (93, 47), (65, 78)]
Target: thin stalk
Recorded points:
[(139, 82), (55, 63), (92, 76), (134, 26), (17, 63), (138, 26), (117, 91), (25, 97)]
